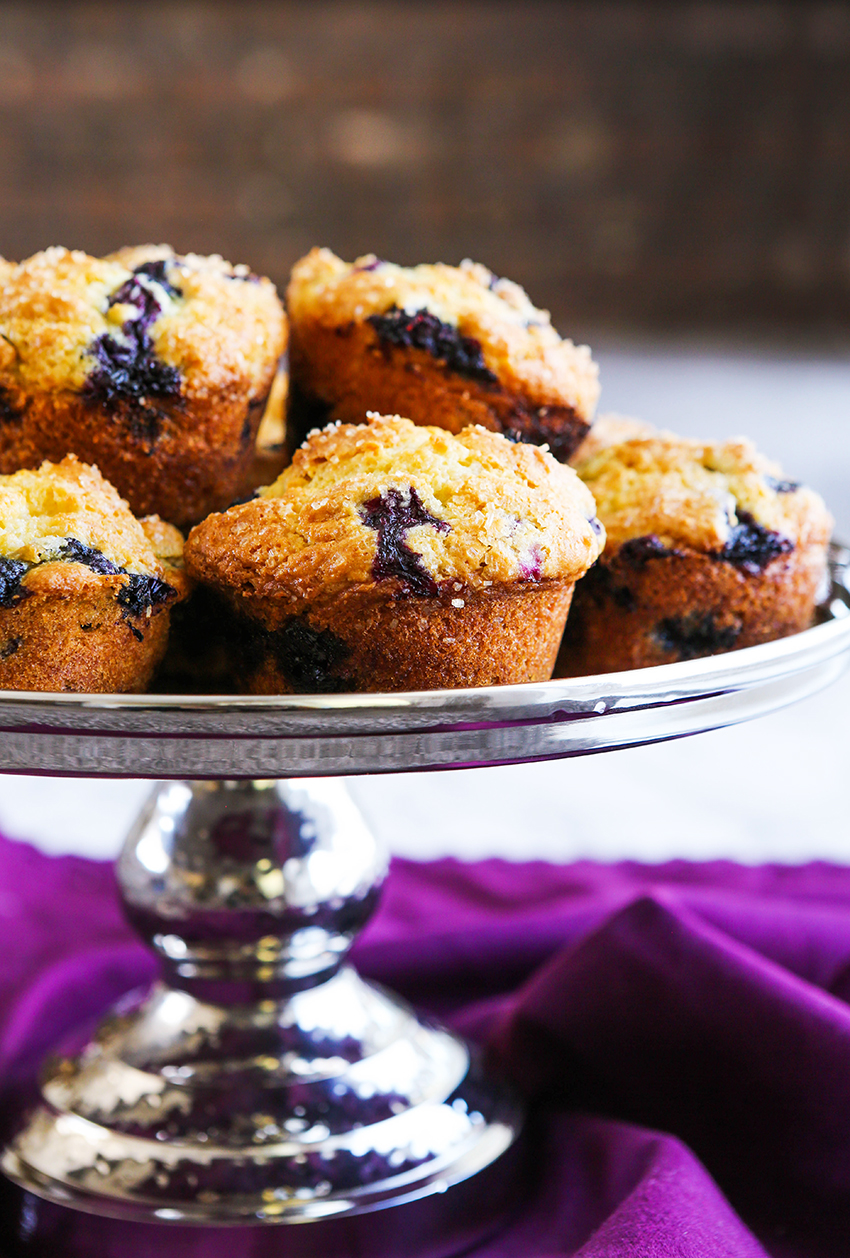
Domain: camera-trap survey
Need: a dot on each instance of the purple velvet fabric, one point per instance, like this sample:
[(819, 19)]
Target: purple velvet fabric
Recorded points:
[(681, 1031)]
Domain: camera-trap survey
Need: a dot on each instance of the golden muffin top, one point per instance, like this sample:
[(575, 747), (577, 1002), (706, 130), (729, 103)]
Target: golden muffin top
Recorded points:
[(695, 493), (185, 325), (50, 513), (395, 501), (517, 341), (610, 429)]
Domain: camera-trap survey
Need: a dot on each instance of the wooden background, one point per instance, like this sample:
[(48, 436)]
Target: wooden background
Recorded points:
[(638, 166)]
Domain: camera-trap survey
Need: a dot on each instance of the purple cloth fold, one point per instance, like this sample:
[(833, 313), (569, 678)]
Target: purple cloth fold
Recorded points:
[(680, 1030)]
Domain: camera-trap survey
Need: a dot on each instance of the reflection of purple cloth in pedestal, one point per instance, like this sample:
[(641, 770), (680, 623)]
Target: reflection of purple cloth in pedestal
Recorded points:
[(706, 1001)]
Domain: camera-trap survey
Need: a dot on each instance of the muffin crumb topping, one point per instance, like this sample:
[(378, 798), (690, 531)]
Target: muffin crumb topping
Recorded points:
[(720, 497), (67, 512)]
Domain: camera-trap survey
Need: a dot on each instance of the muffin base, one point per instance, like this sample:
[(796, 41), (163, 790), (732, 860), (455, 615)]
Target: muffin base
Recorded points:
[(179, 459), (70, 634), (368, 642), (638, 612), (340, 373)]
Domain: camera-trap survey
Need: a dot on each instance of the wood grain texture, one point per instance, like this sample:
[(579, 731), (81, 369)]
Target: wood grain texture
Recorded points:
[(643, 165)]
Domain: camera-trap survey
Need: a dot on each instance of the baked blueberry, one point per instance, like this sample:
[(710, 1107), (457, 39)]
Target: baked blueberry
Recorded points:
[(128, 368), (443, 341), (392, 513)]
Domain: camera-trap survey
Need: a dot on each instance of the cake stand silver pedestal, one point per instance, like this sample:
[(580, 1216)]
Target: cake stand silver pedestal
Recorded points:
[(261, 1082)]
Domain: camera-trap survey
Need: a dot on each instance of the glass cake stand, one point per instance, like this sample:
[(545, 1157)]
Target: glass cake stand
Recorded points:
[(261, 1082)]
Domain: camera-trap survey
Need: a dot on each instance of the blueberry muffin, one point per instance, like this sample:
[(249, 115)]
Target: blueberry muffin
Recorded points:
[(390, 556), (708, 549), (444, 345), (85, 588), (153, 366)]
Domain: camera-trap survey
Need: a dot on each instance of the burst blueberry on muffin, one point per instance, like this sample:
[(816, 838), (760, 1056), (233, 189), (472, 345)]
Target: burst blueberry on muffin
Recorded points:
[(390, 556), (446, 346), (85, 588), (153, 366), (709, 549)]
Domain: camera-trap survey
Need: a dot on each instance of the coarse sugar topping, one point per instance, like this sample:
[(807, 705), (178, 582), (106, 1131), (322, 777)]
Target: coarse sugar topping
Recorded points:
[(706, 495), (68, 511), (393, 501)]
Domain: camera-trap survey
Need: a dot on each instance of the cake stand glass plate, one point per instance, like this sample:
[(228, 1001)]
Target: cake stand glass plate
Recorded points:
[(261, 1082)]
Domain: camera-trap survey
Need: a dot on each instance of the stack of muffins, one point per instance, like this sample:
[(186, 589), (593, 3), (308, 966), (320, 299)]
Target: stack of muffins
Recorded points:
[(418, 523)]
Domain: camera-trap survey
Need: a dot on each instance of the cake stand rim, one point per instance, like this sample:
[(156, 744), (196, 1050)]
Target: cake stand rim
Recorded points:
[(267, 736), (834, 629)]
